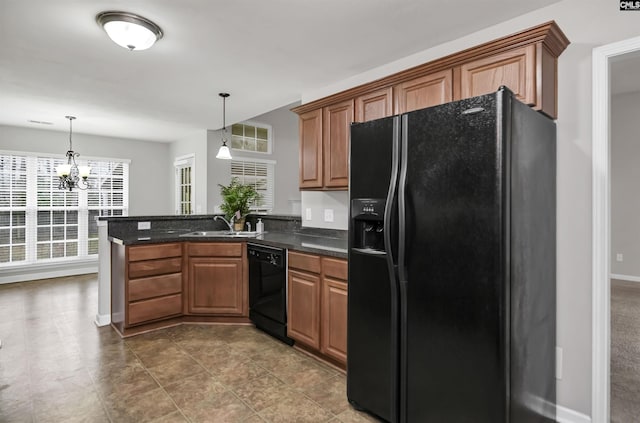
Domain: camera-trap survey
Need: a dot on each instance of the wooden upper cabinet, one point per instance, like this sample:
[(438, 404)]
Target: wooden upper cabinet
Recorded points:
[(374, 105), (311, 149), (425, 91), (337, 121), (515, 69)]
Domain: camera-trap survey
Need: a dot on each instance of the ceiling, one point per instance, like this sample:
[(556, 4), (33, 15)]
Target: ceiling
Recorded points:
[(55, 60)]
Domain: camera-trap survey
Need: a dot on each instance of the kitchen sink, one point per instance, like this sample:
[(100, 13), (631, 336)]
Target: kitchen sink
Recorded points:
[(221, 234)]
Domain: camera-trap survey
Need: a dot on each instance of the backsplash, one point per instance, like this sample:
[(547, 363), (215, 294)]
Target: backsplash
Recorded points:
[(325, 209)]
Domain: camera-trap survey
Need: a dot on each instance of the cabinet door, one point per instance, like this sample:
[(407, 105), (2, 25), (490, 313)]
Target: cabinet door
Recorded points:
[(215, 286), (514, 69), (337, 121), (426, 91), (334, 319), (303, 308), (311, 149), (375, 105)]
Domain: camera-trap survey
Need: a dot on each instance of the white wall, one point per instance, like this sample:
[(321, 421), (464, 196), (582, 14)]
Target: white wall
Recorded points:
[(149, 177), (284, 124), (625, 176), (316, 203), (195, 143), (587, 24)]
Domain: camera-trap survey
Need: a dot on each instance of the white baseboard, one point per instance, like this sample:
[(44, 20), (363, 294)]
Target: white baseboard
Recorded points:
[(46, 270), (102, 320), (625, 277), (567, 415)]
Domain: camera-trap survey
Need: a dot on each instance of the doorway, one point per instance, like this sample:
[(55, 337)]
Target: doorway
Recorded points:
[(601, 225)]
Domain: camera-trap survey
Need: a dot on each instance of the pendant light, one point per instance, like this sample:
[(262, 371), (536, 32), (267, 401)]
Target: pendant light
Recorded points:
[(128, 30), (71, 175), (224, 152)]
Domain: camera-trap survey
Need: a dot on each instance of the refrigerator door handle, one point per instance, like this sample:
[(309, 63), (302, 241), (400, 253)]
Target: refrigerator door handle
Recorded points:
[(402, 203), (402, 273), (391, 199), (393, 272)]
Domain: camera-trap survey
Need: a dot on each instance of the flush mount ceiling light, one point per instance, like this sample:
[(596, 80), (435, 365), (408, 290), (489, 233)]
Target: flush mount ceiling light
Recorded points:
[(224, 152), (130, 31)]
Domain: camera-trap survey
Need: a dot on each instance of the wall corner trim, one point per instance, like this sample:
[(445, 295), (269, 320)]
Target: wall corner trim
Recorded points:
[(102, 320)]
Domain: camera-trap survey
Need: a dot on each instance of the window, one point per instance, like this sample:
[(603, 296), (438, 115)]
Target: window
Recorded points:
[(255, 138), (184, 182), (260, 174), (39, 222)]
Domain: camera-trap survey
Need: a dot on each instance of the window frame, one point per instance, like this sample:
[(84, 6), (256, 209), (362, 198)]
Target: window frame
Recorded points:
[(266, 126), (271, 176), (82, 226), (179, 163)]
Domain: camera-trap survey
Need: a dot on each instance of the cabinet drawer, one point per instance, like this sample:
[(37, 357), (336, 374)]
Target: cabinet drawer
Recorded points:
[(156, 286), (156, 251), (307, 262), (139, 269), (334, 268), (156, 308), (222, 249)]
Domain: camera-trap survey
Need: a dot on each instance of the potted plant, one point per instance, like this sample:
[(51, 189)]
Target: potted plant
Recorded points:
[(236, 199)]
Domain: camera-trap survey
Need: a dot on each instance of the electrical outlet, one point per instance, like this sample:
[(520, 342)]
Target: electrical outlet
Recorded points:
[(307, 213), (328, 215), (144, 226), (619, 257), (558, 363)]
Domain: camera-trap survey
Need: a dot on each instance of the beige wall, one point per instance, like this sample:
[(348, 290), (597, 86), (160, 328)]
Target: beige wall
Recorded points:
[(148, 176), (587, 24), (625, 178)]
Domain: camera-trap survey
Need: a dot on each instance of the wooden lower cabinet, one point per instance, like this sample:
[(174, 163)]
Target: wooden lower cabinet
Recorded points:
[(146, 284), (317, 304), (217, 281), (215, 286), (334, 319)]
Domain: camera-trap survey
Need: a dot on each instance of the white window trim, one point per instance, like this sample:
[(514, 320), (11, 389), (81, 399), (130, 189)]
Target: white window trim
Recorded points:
[(266, 126), (183, 161), (31, 209)]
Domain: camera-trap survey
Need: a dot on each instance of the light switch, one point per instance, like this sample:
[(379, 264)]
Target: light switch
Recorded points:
[(307, 213), (619, 257)]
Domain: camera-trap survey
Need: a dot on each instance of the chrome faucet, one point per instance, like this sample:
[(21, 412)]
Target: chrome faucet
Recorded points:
[(229, 223), (248, 226)]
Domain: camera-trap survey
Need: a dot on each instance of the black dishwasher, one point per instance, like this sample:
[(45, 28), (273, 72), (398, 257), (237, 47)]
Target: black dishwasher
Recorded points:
[(268, 290)]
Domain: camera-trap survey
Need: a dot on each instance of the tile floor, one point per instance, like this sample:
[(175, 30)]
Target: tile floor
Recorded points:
[(57, 366)]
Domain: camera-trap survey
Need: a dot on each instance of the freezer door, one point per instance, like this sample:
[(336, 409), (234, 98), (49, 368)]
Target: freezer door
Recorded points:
[(372, 328), (453, 289)]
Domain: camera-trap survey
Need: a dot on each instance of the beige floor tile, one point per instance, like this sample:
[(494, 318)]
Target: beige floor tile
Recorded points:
[(140, 408), (194, 389), (222, 408), (295, 408)]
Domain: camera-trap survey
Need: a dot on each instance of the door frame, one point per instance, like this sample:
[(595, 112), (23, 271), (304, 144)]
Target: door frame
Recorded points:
[(601, 223)]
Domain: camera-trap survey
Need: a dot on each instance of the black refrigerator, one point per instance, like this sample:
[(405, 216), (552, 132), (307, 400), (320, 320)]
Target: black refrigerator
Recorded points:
[(452, 296)]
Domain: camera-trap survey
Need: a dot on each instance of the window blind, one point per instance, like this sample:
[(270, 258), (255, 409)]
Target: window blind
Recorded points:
[(259, 174), (39, 222)]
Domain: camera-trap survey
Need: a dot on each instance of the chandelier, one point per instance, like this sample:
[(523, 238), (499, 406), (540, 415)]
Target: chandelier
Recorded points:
[(71, 175)]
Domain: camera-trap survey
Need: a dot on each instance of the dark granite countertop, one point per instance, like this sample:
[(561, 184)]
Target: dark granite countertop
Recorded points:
[(311, 243)]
